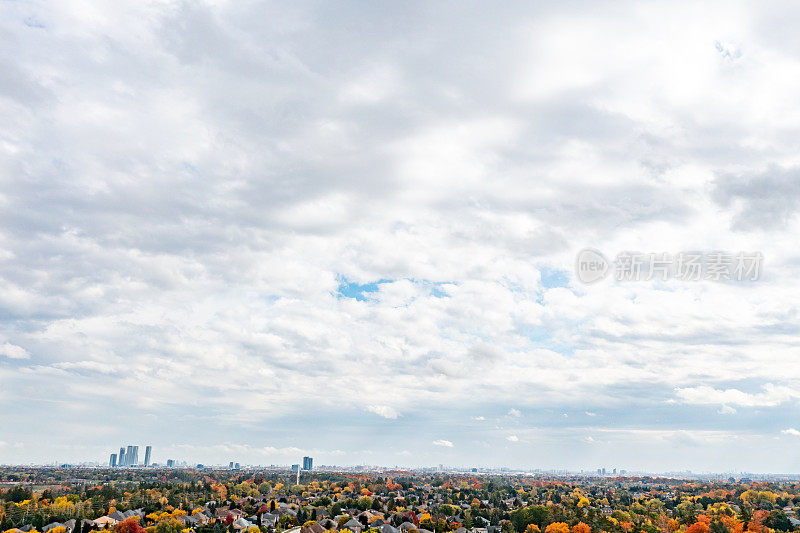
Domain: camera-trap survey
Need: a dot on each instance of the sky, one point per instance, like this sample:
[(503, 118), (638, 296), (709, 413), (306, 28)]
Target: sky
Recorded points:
[(252, 231)]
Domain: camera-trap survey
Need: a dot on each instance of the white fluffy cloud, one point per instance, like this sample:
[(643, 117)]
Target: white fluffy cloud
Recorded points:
[(771, 396), (13, 351), (383, 410)]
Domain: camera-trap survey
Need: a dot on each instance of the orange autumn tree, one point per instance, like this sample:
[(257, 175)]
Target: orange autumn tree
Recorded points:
[(698, 527), (557, 527), (532, 528), (756, 525), (580, 527), (732, 524)]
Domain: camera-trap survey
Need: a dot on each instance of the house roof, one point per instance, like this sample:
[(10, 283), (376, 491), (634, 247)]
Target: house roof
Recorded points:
[(353, 523), (386, 528), (241, 523)]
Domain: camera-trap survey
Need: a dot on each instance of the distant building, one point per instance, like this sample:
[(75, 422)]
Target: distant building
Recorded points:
[(236, 466), (147, 455), (129, 456), (135, 456), (230, 465), (122, 458), (112, 462), (170, 463), (308, 463)]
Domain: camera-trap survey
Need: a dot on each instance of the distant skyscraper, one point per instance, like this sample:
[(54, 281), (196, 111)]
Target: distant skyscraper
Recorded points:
[(236, 466), (308, 463), (122, 458), (113, 461), (129, 456), (147, 455), (230, 465), (170, 463), (135, 456)]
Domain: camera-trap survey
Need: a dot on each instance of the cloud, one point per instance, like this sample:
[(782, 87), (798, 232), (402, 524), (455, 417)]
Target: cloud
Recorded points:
[(512, 438), (765, 199), (383, 410), (444, 443), (384, 226), (705, 395), (12, 351), (791, 431), (514, 413)]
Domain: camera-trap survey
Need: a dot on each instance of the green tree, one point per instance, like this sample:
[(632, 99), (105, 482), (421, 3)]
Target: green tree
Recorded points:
[(169, 526), (778, 520)]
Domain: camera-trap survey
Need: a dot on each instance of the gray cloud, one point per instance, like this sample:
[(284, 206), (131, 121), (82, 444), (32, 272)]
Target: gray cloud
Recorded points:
[(763, 200)]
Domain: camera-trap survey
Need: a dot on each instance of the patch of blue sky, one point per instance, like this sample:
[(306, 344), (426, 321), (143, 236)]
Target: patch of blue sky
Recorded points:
[(437, 292), (362, 291), (357, 291), (542, 338), (553, 277), (437, 288)]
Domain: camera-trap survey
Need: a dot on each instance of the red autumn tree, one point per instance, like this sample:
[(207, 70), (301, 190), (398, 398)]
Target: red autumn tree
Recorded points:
[(129, 525)]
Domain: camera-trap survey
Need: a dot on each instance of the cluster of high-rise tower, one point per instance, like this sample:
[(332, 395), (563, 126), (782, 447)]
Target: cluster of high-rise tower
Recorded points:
[(130, 457)]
